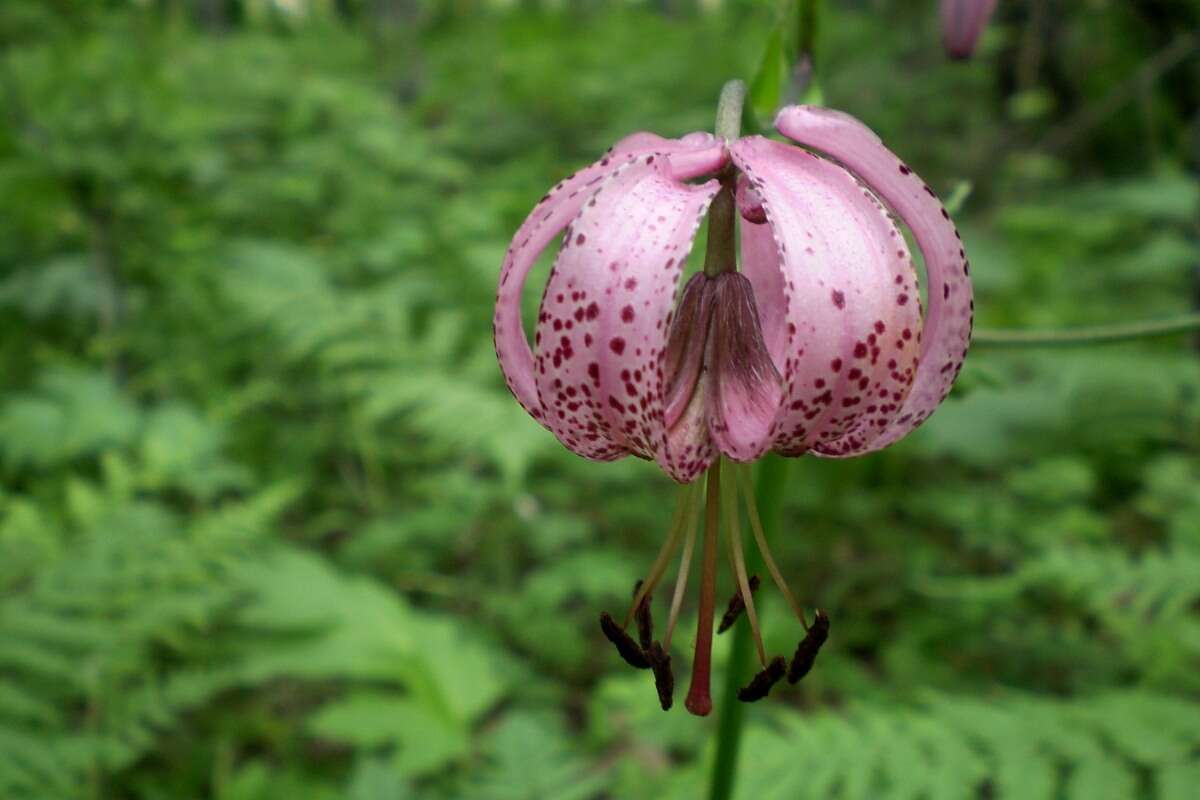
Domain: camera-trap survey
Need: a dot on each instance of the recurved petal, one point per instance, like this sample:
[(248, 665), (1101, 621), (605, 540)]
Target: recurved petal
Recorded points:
[(894, 347), (602, 327), (962, 22), (848, 289), (698, 153), (950, 313)]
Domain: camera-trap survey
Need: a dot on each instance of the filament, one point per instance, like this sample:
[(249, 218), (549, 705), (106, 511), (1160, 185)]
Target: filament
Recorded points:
[(685, 564), (743, 478), (733, 538), (664, 553)]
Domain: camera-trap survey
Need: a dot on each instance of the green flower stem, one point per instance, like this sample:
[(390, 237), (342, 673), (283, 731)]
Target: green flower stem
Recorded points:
[(772, 469), (806, 29), (1100, 334), (721, 255), (768, 493), (729, 110)]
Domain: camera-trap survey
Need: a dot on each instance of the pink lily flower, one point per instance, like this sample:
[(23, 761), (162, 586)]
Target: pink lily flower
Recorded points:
[(818, 345), (962, 23)]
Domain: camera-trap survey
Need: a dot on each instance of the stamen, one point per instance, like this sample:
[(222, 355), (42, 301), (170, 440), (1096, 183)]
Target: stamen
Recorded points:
[(664, 679), (742, 475), (734, 610), (685, 565), (699, 699), (665, 552), (760, 685), (733, 538), (810, 645), (645, 625), (624, 643)]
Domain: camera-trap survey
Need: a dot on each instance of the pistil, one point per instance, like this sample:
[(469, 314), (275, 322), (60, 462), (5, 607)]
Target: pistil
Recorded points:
[(699, 698)]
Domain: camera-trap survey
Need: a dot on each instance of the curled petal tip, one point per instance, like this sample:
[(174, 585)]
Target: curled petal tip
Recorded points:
[(816, 118), (707, 158)]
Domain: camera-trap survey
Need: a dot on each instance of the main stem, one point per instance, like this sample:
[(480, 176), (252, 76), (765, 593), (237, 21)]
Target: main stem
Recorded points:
[(768, 492), (772, 471)]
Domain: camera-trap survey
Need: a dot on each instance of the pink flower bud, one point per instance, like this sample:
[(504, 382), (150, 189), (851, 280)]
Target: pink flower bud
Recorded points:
[(962, 22)]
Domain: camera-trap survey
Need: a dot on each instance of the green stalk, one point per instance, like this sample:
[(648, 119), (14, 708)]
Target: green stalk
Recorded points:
[(771, 473), (721, 254), (1100, 334), (768, 493), (729, 110)]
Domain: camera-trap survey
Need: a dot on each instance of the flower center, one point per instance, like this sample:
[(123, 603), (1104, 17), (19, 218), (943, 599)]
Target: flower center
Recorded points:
[(720, 379), (719, 502), (721, 384)]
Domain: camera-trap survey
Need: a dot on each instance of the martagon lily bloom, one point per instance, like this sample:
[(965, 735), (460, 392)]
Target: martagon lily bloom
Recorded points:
[(818, 345)]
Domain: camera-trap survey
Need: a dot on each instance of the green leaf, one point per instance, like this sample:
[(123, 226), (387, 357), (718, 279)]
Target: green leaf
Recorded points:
[(766, 89), (425, 738), (529, 757), (376, 779)]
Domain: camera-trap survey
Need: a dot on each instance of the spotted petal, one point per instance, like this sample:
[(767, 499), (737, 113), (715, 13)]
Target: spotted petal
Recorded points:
[(835, 329), (950, 315), (603, 324), (695, 154)]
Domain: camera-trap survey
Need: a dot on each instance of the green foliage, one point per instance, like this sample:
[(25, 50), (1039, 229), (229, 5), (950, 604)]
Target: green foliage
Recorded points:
[(956, 747), (271, 526)]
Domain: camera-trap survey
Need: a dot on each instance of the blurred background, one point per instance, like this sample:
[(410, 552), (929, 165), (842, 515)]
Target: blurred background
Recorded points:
[(271, 526)]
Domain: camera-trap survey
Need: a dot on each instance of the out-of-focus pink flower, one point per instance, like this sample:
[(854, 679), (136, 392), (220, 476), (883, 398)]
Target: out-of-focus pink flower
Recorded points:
[(962, 23), (817, 345)]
